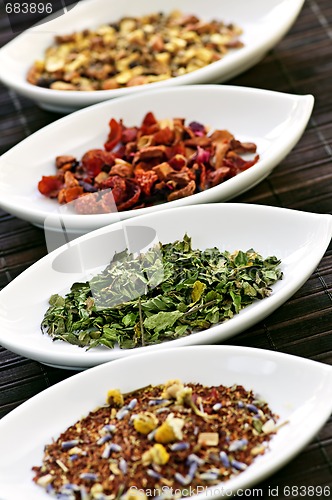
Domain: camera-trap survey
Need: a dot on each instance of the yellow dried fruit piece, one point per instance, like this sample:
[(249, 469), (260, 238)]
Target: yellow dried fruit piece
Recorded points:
[(170, 430), (208, 438), (258, 450), (96, 489), (45, 480), (145, 422), (114, 398), (157, 455)]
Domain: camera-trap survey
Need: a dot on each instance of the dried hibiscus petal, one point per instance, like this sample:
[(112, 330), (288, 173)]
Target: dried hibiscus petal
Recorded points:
[(149, 119), (149, 124), (178, 161), (217, 176), (164, 136), (237, 163), (202, 155), (50, 185), (118, 186), (114, 137), (94, 160), (133, 193), (197, 128), (129, 135)]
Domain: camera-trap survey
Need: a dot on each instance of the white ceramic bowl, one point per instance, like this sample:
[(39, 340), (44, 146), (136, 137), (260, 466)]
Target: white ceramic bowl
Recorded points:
[(274, 121), (298, 390), (299, 239), (264, 23)]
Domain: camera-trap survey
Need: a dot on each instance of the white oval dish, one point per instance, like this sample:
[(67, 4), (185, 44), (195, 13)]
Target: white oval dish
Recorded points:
[(274, 121), (297, 389), (264, 24), (299, 239)]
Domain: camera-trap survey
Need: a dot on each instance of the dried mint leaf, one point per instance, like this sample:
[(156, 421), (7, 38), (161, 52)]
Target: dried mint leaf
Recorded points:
[(199, 289)]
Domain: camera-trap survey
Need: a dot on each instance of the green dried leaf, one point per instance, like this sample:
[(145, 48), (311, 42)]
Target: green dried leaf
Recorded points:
[(127, 305), (162, 320), (197, 291), (129, 319), (56, 300)]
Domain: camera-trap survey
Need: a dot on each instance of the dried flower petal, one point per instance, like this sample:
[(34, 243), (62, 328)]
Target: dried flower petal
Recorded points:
[(145, 422), (157, 454), (170, 430), (114, 398)]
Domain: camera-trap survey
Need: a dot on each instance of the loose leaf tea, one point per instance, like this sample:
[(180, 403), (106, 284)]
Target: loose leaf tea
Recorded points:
[(173, 436), (199, 289)]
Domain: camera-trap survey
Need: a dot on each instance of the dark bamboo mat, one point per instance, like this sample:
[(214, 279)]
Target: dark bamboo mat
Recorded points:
[(301, 63)]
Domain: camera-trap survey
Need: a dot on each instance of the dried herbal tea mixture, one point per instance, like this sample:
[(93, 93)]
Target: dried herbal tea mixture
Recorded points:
[(133, 51), (159, 440), (158, 161), (196, 290)]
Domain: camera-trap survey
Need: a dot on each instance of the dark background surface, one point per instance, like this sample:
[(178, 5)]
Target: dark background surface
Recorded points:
[(300, 64)]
